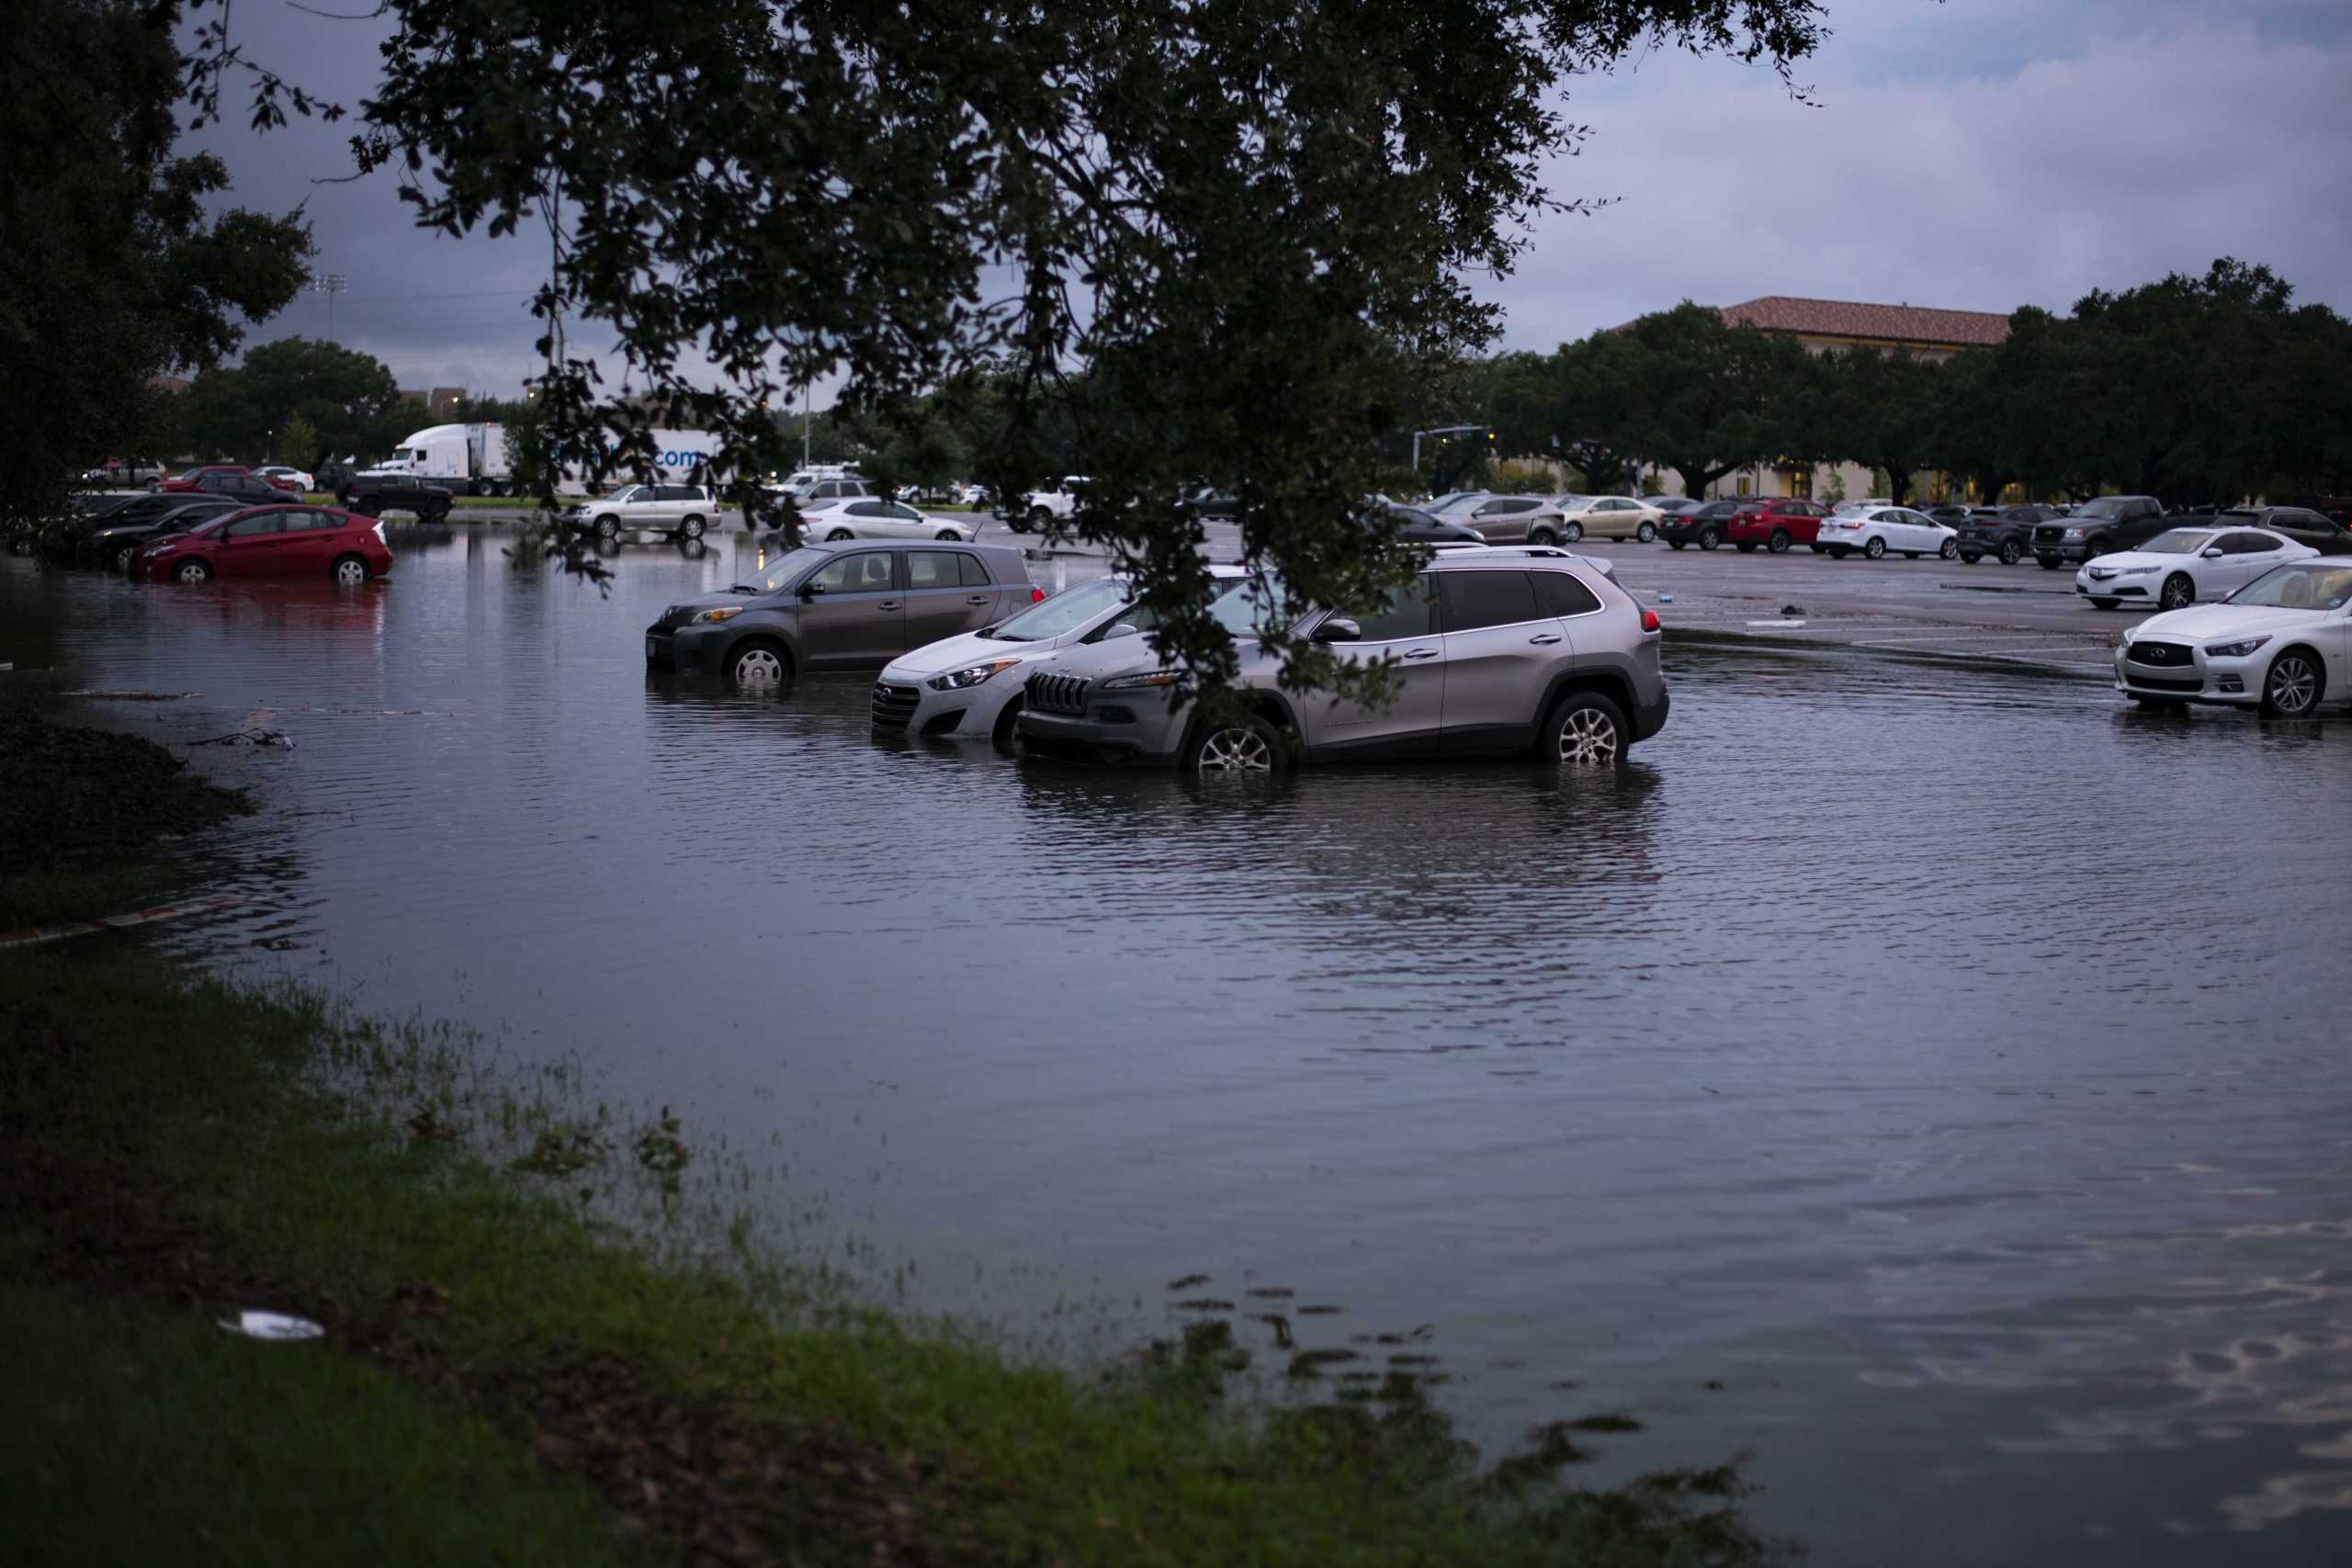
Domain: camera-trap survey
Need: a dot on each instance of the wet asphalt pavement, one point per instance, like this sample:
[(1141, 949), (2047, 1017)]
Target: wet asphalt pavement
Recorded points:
[(1926, 1080)]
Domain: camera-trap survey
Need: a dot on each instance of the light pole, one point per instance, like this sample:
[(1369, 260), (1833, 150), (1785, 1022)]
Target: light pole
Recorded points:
[(1443, 430), (329, 284)]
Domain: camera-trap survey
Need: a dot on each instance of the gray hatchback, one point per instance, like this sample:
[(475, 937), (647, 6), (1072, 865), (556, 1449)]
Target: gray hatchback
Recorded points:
[(1499, 651), (841, 607)]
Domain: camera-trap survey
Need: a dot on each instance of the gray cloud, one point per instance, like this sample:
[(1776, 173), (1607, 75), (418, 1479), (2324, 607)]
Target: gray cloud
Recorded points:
[(1979, 154)]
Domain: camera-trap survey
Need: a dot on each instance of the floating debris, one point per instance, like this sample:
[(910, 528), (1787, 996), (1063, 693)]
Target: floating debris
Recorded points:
[(272, 1326)]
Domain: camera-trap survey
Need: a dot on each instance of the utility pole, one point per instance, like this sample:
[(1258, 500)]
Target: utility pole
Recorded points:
[(804, 426), (329, 284)]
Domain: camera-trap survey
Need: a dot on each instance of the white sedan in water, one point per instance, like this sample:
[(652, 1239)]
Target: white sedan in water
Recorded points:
[(870, 517), (2282, 643), (1879, 529), (2180, 566), (970, 685)]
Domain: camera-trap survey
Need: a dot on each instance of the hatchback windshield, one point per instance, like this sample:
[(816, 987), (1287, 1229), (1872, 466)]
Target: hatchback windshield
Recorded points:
[(1063, 612), (2304, 586), (2178, 542), (782, 570)]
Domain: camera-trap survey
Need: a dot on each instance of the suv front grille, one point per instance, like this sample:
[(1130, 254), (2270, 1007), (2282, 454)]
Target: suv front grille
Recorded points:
[(894, 707), (2166, 655), (1050, 693)]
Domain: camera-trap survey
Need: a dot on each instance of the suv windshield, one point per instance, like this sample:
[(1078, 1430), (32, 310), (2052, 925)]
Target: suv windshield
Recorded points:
[(2107, 507), (2304, 586), (2178, 542), (1252, 605), (1064, 612), (782, 570)]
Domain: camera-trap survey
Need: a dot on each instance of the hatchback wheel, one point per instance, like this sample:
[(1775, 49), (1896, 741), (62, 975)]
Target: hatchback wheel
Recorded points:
[(1874, 549), (1950, 550), (192, 571), (759, 664), (2177, 594), (1585, 730), (1708, 538), (1573, 531), (1645, 533), (691, 527), (2291, 689), (1780, 542), (2011, 552), (1006, 735), (349, 570), (1240, 746)]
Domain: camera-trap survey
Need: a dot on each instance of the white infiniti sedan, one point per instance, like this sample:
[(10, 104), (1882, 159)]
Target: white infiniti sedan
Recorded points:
[(2282, 643), (2181, 566), (1875, 530), (970, 685)]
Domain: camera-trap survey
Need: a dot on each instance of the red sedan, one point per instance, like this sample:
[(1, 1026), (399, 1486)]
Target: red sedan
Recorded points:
[(1776, 522), (272, 541), (194, 478)]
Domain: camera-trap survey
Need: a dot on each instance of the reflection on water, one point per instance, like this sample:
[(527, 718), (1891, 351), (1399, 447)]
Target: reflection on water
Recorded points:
[(1895, 1072)]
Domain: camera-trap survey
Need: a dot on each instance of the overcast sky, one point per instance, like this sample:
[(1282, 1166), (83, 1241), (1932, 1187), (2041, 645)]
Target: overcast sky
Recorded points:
[(1977, 154)]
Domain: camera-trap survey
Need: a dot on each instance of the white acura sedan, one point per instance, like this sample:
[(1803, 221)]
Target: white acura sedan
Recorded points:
[(970, 685), (2180, 566), (2282, 643), (869, 517)]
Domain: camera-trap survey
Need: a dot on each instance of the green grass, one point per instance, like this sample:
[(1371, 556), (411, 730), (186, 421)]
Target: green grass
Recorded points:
[(373, 1165), (138, 1434)]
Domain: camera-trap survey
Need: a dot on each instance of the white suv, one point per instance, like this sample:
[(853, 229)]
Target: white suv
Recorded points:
[(678, 512), (1041, 507)]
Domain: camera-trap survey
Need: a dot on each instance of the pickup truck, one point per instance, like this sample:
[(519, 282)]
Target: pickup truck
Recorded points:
[(1040, 508), (2098, 527), (372, 495)]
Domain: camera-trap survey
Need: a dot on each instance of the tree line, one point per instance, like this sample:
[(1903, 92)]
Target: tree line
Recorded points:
[(2191, 389)]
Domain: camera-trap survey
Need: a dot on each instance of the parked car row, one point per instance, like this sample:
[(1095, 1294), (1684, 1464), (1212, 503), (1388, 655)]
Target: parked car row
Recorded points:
[(1499, 649), (193, 536)]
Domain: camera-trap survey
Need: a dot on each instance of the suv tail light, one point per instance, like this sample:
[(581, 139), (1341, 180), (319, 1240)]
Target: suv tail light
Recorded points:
[(1037, 594), (1649, 620)]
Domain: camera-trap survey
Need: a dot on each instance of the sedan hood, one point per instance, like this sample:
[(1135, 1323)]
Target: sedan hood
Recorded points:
[(2124, 559), (2214, 621), (960, 652)]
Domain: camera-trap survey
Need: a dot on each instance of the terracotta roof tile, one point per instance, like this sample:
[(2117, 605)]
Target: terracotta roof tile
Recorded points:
[(1881, 323)]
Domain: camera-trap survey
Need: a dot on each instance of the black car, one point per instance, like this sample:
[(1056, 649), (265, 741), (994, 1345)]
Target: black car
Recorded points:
[(2337, 509), (372, 495), (1950, 513), (1703, 524), (2302, 524), (2004, 533), (114, 540)]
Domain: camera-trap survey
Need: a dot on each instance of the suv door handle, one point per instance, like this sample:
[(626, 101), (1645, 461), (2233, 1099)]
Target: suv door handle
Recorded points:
[(979, 598), (888, 605), (1547, 638), (1422, 653)]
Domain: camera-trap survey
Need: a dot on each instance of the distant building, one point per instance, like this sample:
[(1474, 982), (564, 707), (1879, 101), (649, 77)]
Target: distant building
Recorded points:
[(1823, 326)]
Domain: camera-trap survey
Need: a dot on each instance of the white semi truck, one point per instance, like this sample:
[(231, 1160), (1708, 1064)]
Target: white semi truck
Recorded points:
[(472, 459)]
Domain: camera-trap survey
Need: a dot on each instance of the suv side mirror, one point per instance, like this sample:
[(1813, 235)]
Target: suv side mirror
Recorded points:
[(811, 589), (1339, 628)]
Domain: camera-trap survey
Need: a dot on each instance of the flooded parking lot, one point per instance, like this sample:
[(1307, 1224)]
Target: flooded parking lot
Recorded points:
[(1929, 1082)]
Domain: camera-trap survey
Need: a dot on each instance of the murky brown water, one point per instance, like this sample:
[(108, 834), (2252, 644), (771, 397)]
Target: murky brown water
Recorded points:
[(1953, 1067)]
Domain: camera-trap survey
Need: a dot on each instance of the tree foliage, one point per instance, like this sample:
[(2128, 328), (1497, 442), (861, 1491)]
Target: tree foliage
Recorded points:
[(1249, 222), (113, 272), (349, 398)]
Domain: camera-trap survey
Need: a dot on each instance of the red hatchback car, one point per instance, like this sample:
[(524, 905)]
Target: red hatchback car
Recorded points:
[(1776, 522), (272, 541)]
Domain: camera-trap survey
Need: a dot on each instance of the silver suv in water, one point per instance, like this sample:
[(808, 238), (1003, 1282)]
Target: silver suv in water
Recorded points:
[(1498, 651)]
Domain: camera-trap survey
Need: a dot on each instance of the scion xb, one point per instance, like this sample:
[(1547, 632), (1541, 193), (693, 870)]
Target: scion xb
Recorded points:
[(1498, 651)]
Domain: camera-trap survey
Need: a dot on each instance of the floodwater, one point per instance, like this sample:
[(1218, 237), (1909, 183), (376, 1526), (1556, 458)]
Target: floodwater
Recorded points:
[(1930, 1084)]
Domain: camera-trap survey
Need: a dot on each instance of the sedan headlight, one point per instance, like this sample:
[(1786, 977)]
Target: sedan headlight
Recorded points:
[(1142, 679), (713, 616), (2233, 649), (970, 675)]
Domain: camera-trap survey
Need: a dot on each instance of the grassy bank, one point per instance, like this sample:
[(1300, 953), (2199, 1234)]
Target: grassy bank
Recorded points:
[(554, 1332)]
